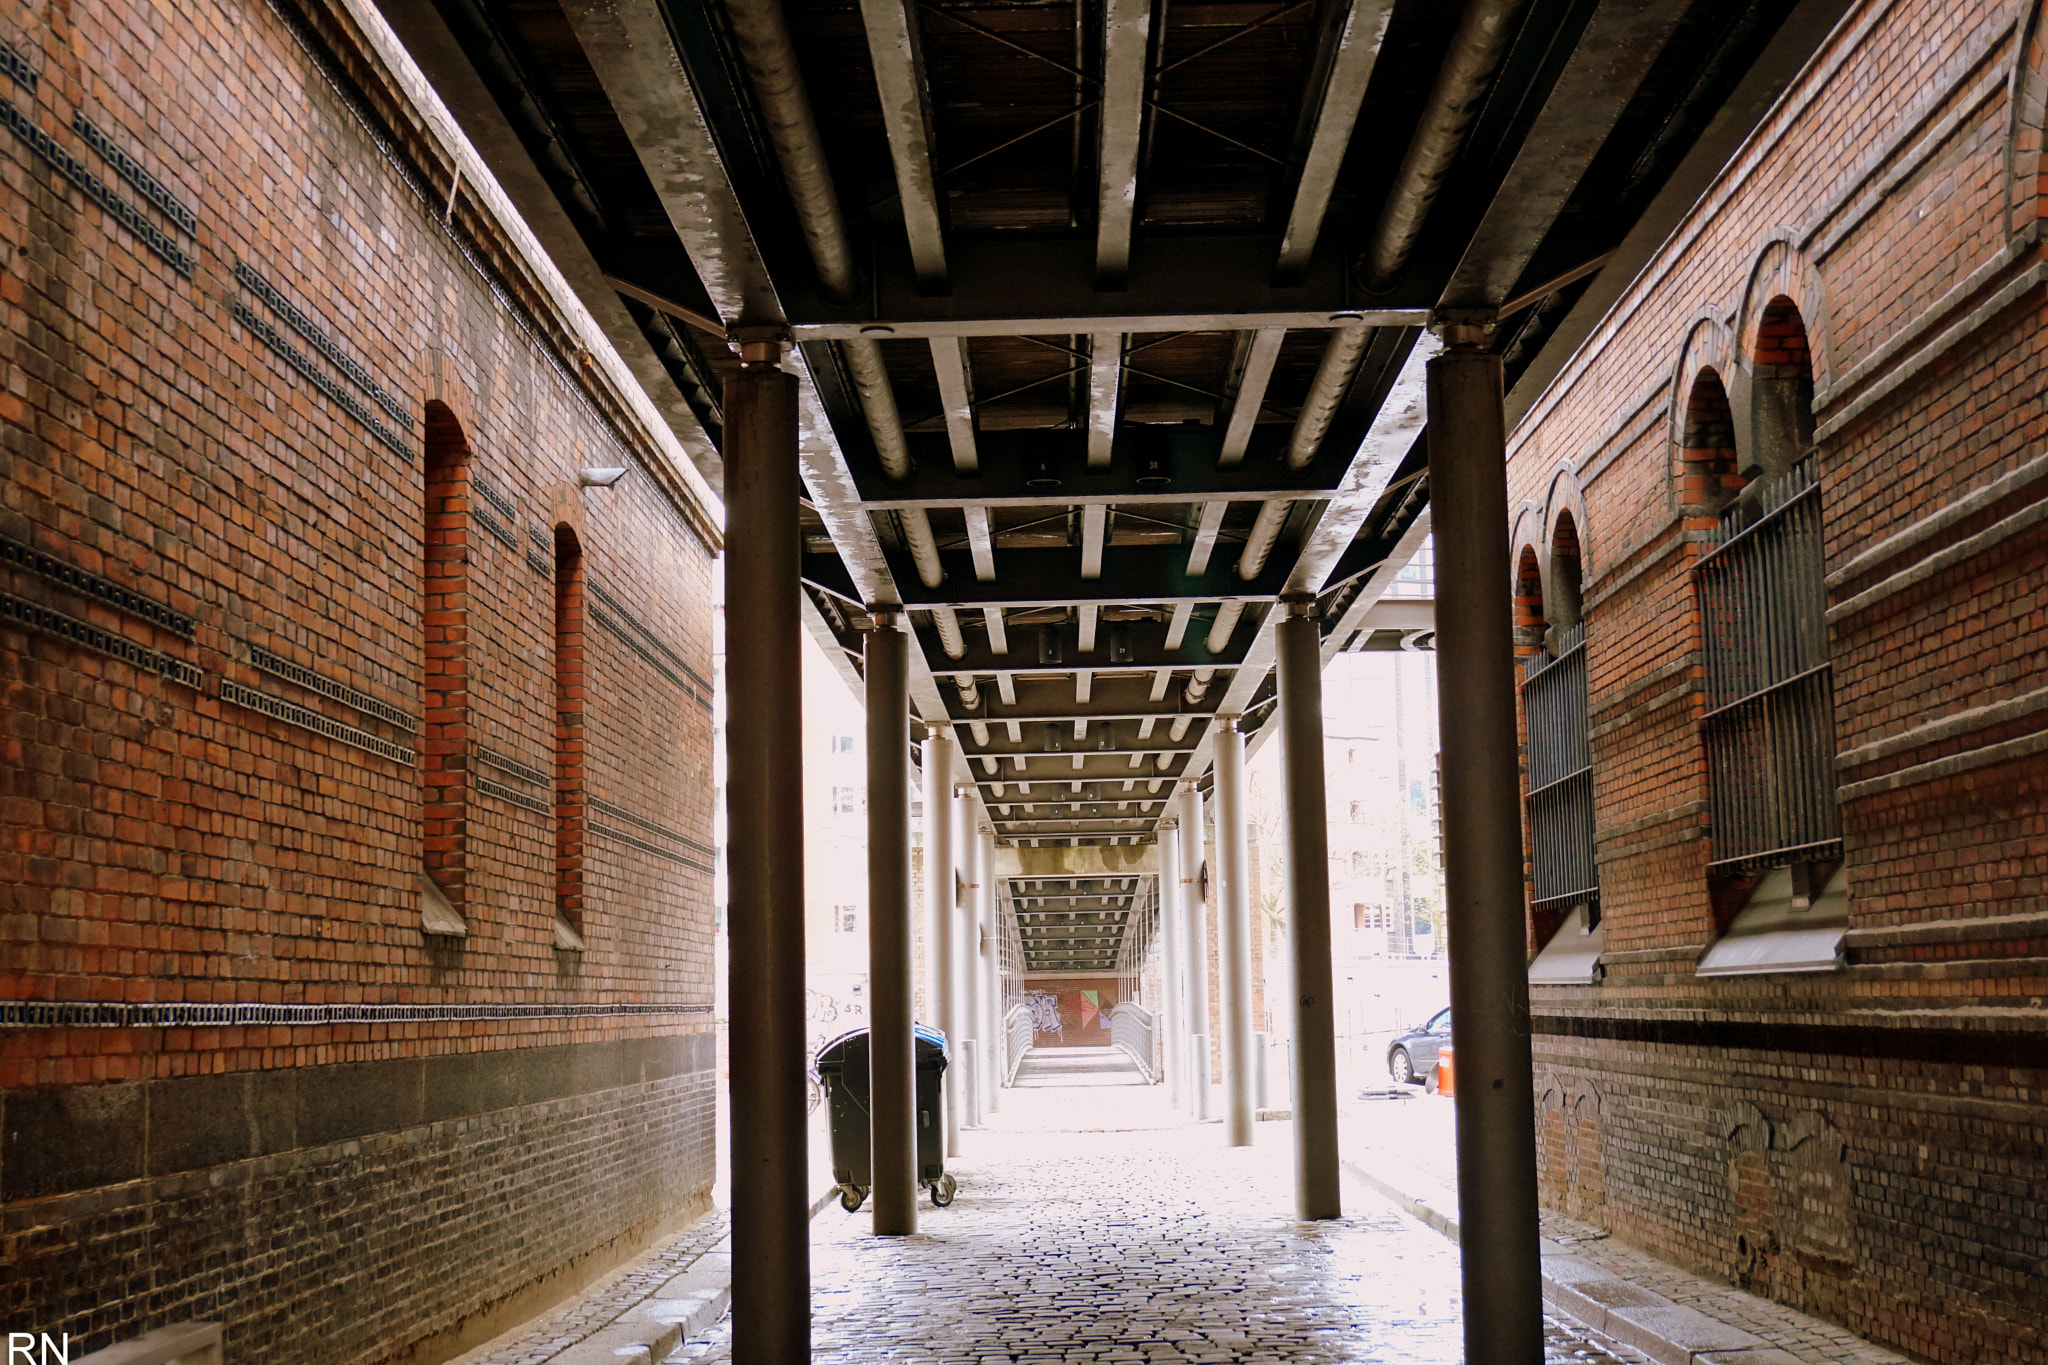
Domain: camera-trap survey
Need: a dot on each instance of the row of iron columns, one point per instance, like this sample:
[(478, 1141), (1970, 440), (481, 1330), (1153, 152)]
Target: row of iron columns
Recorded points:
[(1484, 890)]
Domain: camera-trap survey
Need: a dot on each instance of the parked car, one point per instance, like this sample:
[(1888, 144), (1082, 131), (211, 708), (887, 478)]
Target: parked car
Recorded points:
[(1412, 1055)]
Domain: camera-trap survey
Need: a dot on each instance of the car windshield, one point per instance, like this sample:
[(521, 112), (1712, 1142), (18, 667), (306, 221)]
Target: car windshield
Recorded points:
[(1441, 1023)]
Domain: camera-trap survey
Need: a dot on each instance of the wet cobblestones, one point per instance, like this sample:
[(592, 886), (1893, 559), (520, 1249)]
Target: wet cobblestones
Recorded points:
[(1150, 1248)]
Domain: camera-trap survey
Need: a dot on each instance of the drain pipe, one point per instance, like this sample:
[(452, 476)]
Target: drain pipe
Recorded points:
[(1461, 86)]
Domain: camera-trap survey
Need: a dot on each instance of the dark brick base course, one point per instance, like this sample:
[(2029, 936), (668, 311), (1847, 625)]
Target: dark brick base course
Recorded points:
[(353, 1250)]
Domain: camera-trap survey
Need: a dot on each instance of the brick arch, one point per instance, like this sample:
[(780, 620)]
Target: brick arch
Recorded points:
[(2026, 133), (1529, 623), (1564, 571), (1708, 465), (1780, 407), (1782, 271), (1708, 354)]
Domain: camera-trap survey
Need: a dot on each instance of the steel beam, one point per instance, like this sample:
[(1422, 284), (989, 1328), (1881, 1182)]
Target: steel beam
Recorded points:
[(1261, 354), (1172, 936), (1191, 458), (956, 394), (770, 1168), (891, 1058), (1483, 872), (1614, 53), (1126, 57), (1053, 578), (967, 944), (1105, 389), (897, 53), (1347, 72), (1047, 288)]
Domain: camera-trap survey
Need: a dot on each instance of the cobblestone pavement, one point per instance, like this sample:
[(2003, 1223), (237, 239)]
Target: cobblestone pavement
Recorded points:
[(1145, 1244), (1411, 1144)]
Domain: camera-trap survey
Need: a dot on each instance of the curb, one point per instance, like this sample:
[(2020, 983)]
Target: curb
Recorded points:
[(683, 1309), (1668, 1333)]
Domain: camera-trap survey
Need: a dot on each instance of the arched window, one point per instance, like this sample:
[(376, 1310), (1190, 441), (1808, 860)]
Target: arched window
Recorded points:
[(1769, 729), (570, 777), (1564, 880), (1529, 623), (444, 752), (1710, 473)]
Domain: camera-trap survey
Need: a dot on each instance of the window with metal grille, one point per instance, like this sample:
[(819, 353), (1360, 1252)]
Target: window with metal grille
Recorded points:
[(1560, 778), (1770, 727)]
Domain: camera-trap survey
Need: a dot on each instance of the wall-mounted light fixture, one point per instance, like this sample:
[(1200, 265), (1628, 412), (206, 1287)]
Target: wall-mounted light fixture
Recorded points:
[(600, 478)]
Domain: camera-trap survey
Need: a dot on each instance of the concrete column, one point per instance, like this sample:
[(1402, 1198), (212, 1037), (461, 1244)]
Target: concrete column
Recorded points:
[(1483, 855), (892, 1058), (938, 911), (1173, 1018), (967, 945), (994, 1039), (1233, 934), (1299, 650), (1195, 920), (764, 820)]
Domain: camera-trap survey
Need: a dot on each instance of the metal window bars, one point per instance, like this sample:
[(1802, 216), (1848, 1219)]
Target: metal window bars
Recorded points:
[(1769, 729), (1560, 801)]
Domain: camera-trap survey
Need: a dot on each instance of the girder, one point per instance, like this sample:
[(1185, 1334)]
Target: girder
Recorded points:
[(1092, 373)]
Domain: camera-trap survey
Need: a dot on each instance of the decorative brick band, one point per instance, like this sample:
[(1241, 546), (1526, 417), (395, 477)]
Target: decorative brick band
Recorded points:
[(299, 361), (96, 1014), (37, 617), (483, 489), (291, 713), (17, 69), (320, 341), (71, 578), (498, 791), (493, 525), (130, 170), (539, 565), (329, 688), (96, 189), (632, 642), (621, 813), (644, 846), (505, 763), (625, 614), (1915, 1043)]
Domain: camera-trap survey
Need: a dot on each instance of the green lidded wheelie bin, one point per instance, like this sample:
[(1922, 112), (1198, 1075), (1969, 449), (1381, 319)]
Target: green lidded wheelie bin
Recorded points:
[(842, 1068)]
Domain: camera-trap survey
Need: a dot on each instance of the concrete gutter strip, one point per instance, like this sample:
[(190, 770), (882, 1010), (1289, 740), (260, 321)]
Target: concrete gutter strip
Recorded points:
[(1640, 1319), (681, 1310)]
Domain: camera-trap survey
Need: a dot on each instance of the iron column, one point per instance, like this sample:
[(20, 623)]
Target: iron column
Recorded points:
[(1233, 933), (1483, 890), (1299, 649), (764, 673), (1196, 921), (1174, 1022), (892, 1059), (994, 1038), (968, 945), (938, 908)]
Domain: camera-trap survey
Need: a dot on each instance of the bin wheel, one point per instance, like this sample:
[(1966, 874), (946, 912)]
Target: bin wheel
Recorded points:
[(852, 1197), (942, 1190)]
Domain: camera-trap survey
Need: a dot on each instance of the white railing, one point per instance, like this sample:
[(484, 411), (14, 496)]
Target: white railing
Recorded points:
[(183, 1343), (1132, 1028), (1016, 1040)]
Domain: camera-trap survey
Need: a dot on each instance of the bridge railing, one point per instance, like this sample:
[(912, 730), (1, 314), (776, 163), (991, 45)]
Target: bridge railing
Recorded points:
[(1016, 1040), (1132, 1028)]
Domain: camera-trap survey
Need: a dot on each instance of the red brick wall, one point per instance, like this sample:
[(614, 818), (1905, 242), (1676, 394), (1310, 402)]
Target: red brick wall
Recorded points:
[(1855, 1142), (385, 535)]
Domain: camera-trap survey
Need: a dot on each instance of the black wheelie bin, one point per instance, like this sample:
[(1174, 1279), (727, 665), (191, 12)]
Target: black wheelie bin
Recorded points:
[(842, 1068)]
